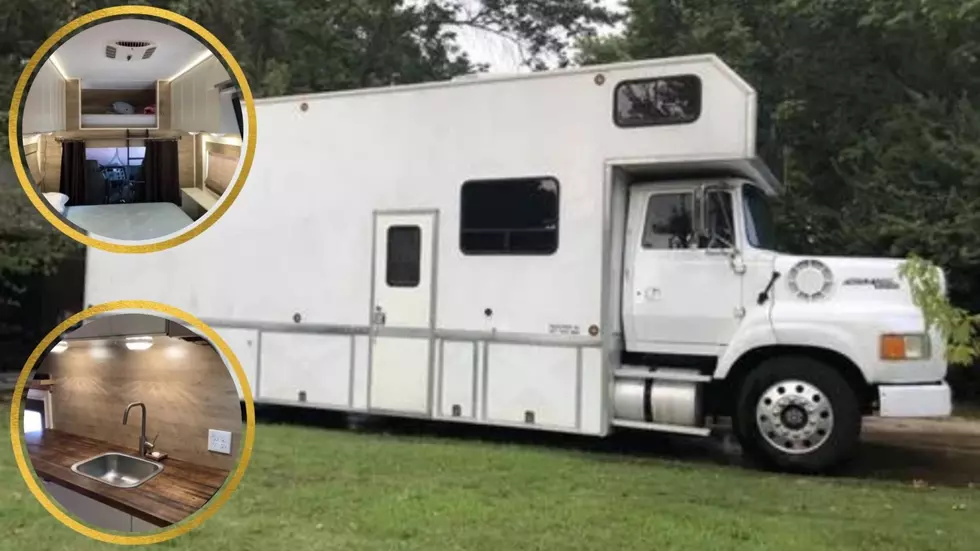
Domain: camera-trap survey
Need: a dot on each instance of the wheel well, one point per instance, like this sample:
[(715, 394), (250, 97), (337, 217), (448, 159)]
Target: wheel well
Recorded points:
[(725, 391)]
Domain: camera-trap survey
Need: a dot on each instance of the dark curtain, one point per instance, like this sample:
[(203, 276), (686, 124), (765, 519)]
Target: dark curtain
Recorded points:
[(160, 171), (73, 172)]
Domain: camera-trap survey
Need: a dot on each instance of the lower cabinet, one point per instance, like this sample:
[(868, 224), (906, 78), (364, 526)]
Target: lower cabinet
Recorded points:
[(96, 513), (140, 525)]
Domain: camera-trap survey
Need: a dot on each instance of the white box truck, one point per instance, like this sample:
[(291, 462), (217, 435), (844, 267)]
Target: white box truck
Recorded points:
[(574, 251)]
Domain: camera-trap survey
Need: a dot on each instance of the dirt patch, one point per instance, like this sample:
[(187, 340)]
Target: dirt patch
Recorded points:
[(921, 451)]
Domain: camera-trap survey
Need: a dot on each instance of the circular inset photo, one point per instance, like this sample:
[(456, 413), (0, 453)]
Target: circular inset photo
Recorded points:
[(134, 126), (132, 422)]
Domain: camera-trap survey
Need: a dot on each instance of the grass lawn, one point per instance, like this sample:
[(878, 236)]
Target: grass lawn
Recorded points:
[(314, 488)]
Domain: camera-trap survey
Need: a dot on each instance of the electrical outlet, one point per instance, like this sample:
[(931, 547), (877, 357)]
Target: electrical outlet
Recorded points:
[(219, 441)]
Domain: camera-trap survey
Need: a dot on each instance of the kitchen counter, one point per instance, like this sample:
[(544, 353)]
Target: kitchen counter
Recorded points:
[(180, 490)]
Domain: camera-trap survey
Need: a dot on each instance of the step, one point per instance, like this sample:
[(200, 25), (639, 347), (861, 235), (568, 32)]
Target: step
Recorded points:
[(671, 374), (660, 427)]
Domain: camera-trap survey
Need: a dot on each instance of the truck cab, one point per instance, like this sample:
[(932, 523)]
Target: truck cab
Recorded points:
[(795, 348)]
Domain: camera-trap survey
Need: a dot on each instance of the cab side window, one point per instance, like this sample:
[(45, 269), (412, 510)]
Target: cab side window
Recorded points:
[(670, 222), (719, 223)]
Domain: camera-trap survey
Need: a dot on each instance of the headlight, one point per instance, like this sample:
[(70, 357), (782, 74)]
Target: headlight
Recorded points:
[(904, 347)]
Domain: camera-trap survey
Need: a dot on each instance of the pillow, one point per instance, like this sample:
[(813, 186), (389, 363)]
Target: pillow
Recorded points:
[(57, 200)]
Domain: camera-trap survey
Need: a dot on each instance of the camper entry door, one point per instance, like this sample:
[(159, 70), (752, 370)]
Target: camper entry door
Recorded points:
[(401, 321)]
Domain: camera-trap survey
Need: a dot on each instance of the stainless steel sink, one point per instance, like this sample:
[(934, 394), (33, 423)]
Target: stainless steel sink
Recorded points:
[(117, 469)]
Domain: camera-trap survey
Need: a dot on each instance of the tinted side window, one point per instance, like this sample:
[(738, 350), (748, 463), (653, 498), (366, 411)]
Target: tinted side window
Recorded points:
[(670, 222), (720, 222), (657, 101), (518, 216), (403, 265)]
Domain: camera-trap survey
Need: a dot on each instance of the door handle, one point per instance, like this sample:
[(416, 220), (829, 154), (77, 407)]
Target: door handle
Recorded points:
[(649, 294), (379, 316)]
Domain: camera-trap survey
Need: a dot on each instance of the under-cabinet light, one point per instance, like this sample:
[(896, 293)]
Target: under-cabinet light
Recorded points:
[(139, 343), (200, 59), (60, 347), (54, 61)]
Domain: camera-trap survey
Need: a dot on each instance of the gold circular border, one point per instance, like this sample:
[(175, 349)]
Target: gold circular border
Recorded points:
[(14, 135), (196, 518)]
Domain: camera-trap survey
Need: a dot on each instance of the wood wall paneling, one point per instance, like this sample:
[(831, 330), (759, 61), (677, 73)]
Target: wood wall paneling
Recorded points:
[(50, 162), (163, 105), (187, 153), (221, 169), (186, 387), (222, 161), (32, 156), (73, 104)]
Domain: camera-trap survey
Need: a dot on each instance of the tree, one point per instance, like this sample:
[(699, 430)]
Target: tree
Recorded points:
[(958, 326), (284, 47), (869, 110)]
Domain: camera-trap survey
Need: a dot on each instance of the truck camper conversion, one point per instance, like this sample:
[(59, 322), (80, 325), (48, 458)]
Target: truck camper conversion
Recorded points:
[(575, 251)]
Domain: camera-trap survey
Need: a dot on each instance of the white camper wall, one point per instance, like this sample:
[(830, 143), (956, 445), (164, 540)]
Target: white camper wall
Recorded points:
[(298, 239)]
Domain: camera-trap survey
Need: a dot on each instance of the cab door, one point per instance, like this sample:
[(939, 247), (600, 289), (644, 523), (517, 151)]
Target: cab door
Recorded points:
[(680, 291)]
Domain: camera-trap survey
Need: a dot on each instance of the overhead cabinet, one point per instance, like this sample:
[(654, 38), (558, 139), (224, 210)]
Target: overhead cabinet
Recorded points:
[(196, 99), (44, 109), (129, 325), (119, 108)]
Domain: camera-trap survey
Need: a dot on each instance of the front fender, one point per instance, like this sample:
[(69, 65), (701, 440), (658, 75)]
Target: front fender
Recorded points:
[(758, 333), (754, 332)]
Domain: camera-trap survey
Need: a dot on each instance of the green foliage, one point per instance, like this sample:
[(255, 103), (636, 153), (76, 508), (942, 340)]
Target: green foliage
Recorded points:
[(957, 326), (869, 111), (284, 47)]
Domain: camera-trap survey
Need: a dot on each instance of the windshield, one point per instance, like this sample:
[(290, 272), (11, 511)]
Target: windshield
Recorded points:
[(759, 226)]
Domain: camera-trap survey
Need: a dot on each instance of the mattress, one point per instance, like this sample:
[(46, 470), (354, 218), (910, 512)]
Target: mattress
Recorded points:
[(129, 221), (119, 121)]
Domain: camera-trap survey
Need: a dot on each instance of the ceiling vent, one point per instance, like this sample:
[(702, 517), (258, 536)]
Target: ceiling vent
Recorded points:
[(130, 50)]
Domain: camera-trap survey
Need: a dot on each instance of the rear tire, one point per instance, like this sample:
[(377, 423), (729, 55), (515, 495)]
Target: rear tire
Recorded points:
[(797, 414)]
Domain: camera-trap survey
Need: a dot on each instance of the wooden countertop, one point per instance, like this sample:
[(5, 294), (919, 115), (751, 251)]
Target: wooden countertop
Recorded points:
[(180, 490)]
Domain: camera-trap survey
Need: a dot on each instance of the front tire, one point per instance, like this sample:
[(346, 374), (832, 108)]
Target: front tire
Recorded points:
[(797, 414)]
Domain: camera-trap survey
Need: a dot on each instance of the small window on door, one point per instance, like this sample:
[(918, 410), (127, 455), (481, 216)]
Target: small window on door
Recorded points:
[(670, 222), (404, 259)]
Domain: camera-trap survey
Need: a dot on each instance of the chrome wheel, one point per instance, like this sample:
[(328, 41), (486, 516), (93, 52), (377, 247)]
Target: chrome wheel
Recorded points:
[(794, 416)]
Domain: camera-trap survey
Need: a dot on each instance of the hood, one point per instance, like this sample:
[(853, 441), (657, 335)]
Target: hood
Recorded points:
[(842, 279)]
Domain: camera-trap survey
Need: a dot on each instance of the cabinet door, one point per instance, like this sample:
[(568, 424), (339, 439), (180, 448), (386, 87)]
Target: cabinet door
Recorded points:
[(89, 510), (140, 525), (32, 122)]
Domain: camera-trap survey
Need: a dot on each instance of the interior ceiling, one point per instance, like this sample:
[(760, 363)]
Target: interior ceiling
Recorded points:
[(83, 55)]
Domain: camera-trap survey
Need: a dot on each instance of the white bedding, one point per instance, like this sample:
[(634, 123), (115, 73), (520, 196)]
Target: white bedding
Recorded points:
[(56, 200), (119, 121), (129, 221)]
